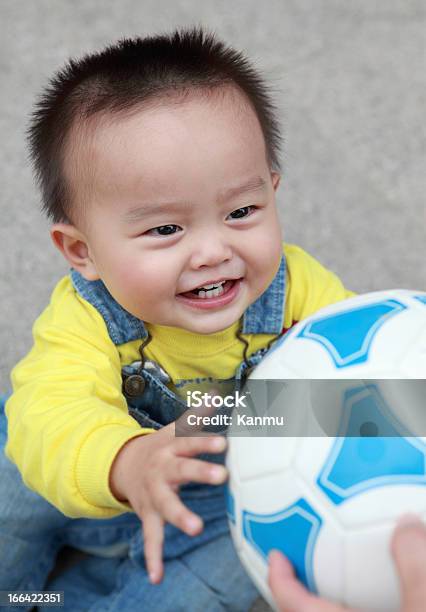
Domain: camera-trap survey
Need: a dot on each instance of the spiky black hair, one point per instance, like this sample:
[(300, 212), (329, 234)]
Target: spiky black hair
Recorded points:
[(125, 75)]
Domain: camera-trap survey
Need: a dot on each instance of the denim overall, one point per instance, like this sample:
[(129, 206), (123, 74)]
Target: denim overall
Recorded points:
[(201, 572)]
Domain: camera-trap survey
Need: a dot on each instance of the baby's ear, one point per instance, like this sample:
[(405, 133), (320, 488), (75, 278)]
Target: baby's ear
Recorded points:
[(276, 178), (73, 245)]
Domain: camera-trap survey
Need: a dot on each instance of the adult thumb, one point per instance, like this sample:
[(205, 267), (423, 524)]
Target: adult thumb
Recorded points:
[(408, 548)]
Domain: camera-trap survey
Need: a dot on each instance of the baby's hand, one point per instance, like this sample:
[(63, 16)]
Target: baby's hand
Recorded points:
[(147, 473)]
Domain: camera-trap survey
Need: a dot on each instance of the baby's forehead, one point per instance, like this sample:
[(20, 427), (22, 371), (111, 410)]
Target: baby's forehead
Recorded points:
[(165, 142), (104, 127)]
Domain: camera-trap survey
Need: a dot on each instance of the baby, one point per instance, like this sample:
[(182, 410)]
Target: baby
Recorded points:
[(158, 163)]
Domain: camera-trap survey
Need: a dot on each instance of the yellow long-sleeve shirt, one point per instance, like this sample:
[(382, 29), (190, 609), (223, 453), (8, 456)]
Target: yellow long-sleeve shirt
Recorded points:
[(67, 416)]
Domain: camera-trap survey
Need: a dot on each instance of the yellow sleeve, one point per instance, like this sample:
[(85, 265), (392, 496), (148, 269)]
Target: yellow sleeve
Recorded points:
[(309, 286), (67, 417)]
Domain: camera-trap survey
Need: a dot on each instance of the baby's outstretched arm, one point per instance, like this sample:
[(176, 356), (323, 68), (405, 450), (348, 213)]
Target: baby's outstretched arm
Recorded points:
[(148, 471)]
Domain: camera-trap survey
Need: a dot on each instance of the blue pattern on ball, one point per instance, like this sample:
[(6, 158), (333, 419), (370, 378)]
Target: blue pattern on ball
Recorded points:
[(357, 463), (347, 336), (293, 531), (420, 298)]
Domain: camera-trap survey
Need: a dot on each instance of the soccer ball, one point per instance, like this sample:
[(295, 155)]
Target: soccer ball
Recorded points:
[(328, 490)]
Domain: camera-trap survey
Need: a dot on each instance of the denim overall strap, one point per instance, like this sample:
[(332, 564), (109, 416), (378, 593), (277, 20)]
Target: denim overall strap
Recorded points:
[(266, 314), (122, 326)]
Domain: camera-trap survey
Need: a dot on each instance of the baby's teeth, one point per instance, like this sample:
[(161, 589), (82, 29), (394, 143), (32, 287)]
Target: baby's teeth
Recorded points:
[(208, 287), (212, 293)]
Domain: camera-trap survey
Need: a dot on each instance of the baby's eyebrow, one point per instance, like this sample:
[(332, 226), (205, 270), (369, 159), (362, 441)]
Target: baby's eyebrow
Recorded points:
[(145, 210)]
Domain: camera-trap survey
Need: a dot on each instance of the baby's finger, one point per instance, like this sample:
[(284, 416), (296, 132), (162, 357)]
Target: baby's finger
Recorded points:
[(168, 504), (195, 470), (187, 447), (153, 533)]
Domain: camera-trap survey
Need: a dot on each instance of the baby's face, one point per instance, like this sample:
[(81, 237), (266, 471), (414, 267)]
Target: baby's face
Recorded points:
[(182, 198)]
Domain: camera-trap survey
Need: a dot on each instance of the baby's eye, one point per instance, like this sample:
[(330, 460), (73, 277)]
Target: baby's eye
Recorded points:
[(240, 213), (164, 230)]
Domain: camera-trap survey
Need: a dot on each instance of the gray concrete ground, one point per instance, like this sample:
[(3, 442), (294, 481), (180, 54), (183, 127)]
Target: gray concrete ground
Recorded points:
[(350, 83)]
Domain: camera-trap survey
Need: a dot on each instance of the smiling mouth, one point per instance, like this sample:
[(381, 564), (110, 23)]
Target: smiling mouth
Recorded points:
[(210, 291)]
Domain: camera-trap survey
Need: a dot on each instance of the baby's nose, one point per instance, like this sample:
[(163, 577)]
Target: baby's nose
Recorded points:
[(210, 251)]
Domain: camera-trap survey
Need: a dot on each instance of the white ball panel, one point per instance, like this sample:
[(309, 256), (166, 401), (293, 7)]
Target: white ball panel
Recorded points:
[(371, 581), (276, 369), (271, 493), (328, 567), (254, 458), (413, 362), (311, 457), (396, 337), (381, 504)]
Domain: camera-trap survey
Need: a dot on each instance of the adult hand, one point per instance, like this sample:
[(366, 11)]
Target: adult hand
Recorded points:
[(408, 548)]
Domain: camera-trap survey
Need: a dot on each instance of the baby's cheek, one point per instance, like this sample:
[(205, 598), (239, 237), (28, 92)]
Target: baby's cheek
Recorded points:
[(268, 251), (131, 280), (151, 285), (128, 285), (266, 262)]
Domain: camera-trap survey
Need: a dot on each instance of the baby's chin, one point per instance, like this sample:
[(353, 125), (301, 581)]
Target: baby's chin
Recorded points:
[(211, 323), (196, 327), (205, 328)]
